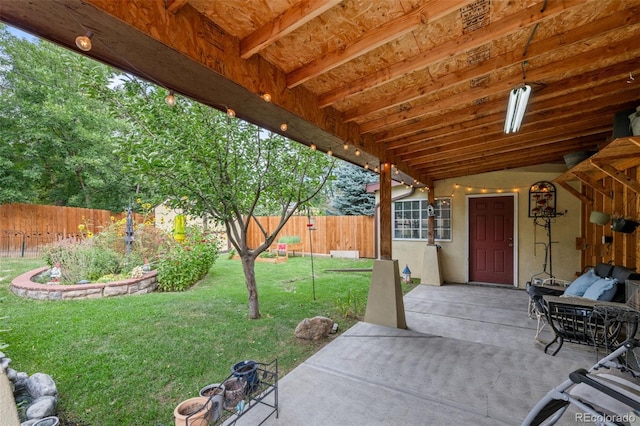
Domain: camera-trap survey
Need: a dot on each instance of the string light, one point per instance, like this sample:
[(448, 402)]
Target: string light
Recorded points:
[(330, 153), (265, 96), (375, 169), (345, 146), (366, 166), (312, 146), (170, 99), (84, 42), (230, 113), (357, 153), (485, 189), (284, 127)]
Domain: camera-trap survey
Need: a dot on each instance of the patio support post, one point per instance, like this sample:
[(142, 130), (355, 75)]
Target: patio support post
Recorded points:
[(431, 257), (385, 211), (385, 305)]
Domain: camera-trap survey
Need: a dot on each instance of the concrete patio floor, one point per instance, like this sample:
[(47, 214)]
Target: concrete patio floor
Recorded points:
[(468, 358)]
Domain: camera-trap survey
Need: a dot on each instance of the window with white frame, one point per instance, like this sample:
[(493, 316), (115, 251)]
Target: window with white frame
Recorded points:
[(411, 219)]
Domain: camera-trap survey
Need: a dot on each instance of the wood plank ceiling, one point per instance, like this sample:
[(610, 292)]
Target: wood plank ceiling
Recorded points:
[(422, 84)]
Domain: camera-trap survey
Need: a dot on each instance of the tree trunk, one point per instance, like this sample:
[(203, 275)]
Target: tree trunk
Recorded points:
[(248, 263)]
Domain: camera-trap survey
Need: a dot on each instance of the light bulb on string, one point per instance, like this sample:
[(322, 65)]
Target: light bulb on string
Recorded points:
[(313, 147), (230, 113), (170, 99), (330, 153), (284, 127), (366, 166), (265, 96), (83, 42), (357, 152), (345, 146)]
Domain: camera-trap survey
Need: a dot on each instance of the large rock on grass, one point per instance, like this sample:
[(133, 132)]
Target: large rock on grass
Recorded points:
[(41, 384), (315, 328)]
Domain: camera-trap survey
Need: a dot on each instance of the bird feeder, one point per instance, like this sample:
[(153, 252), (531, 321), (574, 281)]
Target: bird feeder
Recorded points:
[(406, 274)]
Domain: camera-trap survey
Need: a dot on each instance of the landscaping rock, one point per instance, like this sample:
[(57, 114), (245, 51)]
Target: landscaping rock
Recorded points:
[(12, 374), (44, 406), (41, 384), (4, 363), (315, 328)]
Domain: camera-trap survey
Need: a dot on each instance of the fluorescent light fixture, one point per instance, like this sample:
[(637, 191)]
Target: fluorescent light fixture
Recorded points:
[(518, 99)]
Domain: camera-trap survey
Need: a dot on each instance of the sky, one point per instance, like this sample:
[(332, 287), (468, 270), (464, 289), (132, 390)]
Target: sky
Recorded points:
[(19, 33)]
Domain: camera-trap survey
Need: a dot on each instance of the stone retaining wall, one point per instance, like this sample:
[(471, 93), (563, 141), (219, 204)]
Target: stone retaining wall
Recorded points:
[(24, 287)]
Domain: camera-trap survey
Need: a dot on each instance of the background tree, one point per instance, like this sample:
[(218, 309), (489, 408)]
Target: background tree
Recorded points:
[(349, 194), (208, 163), (56, 128)]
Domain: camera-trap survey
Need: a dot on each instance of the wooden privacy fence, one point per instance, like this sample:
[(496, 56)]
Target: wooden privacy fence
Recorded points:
[(26, 228), (331, 233)]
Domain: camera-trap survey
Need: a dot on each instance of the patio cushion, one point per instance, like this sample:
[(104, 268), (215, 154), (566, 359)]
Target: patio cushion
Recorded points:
[(603, 270), (581, 284), (604, 289)]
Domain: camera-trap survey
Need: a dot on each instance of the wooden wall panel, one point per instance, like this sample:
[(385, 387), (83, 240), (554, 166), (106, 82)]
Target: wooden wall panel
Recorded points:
[(624, 250)]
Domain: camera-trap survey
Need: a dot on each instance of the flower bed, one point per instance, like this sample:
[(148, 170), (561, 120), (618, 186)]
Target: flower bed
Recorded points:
[(23, 286)]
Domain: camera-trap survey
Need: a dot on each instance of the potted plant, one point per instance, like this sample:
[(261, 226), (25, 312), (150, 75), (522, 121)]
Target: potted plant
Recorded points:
[(621, 224)]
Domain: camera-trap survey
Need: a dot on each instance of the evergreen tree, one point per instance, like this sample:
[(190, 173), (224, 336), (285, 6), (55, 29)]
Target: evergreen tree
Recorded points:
[(350, 197)]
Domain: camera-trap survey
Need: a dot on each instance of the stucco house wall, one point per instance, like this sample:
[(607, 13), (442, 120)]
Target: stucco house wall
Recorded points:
[(529, 257)]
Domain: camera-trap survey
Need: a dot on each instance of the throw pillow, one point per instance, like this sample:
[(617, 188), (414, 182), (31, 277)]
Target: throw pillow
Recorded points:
[(604, 289), (582, 283)]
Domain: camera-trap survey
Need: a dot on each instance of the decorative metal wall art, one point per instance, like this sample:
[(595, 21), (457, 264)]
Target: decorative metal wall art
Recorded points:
[(542, 199)]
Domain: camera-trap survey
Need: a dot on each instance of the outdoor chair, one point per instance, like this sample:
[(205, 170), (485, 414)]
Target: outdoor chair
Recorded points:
[(572, 313), (606, 394), (553, 286)]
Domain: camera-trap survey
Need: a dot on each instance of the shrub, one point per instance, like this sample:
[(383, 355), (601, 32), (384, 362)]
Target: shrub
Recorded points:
[(103, 262), (183, 264), (93, 257)]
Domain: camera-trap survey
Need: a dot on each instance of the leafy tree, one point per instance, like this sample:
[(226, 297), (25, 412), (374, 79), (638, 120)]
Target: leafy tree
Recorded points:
[(349, 194), (56, 128), (208, 163)]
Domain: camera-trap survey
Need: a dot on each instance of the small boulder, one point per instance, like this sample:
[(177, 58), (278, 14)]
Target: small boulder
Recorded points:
[(12, 374), (44, 406), (315, 328), (41, 384)]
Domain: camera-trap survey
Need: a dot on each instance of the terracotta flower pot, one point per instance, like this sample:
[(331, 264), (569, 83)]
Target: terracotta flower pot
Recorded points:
[(193, 412), (216, 393)]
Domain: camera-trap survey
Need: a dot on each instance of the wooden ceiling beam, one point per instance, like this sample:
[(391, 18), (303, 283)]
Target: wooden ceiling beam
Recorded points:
[(289, 21), (584, 177), (493, 139), (618, 175), (495, 131), (500, 28), (543, 114), (370, 40), (576, 87), (539, 48), (174, 6), (463, 121), (490, 163), (624, 51)]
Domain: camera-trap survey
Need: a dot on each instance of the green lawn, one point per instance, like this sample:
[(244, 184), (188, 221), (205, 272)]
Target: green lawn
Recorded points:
[(131, 360)]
